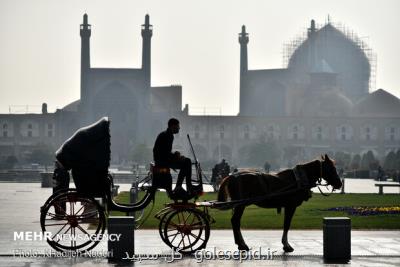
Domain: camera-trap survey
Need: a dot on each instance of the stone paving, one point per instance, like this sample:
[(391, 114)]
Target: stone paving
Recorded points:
[(20, 204)]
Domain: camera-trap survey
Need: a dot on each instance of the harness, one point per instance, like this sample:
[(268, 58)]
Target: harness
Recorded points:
[(301, 177), (303, 182)]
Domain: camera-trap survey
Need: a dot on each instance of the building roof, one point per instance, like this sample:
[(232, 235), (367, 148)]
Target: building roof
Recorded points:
[(328, 103), (378, 103), (73, 106)]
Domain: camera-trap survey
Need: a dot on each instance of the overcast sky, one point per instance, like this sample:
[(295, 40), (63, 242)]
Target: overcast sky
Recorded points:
[(195, 44)]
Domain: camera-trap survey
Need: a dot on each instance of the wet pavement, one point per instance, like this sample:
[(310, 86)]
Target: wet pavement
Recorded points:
[(20, 204)]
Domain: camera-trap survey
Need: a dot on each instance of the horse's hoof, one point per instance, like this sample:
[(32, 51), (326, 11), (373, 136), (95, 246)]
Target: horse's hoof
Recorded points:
[(243, 247), (288, 249)]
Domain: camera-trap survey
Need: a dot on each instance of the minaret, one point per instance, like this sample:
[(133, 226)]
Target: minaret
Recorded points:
[(243, 40), (147, 32), (85, 31)]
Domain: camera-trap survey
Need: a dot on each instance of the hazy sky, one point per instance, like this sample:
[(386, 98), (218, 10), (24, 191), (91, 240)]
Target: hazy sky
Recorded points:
[(195, 43)]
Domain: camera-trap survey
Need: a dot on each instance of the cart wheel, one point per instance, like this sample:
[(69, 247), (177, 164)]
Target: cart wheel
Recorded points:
[(72, 221), (161, 225), (186, 230)]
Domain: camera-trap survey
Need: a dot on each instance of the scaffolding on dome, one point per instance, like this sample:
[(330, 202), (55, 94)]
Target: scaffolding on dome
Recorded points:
[(290, 47), (24, 109)]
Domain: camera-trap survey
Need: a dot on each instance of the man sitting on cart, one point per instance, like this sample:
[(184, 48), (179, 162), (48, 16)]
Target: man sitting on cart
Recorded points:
[(164, 158)]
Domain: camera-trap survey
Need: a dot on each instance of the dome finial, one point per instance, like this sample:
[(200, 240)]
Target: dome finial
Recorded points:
[(312, 25)]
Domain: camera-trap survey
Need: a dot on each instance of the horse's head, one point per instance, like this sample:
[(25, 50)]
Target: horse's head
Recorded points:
[(329, 173)]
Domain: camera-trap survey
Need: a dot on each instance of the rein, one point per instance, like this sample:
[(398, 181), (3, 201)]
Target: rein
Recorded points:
[(319, 183)]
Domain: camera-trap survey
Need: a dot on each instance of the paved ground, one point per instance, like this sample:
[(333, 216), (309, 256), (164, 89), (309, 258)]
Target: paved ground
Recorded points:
[(20, 203)]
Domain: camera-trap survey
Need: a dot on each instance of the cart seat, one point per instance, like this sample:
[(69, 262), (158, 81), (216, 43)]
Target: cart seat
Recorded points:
[(161, 177)]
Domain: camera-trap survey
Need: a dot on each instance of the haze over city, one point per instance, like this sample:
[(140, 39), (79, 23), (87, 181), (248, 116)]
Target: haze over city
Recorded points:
[(194, 44)]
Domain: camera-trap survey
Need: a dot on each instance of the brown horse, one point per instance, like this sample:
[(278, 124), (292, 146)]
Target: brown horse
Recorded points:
[(288, 189)]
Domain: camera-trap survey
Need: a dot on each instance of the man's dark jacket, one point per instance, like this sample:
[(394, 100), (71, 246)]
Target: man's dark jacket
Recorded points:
[(162, 151)]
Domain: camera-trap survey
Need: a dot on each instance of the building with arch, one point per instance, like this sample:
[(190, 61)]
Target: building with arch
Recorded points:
[(318, 103)]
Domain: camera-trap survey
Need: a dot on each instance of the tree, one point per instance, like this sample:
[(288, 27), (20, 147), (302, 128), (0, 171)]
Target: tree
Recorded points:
[(389, 160), (342, 159), (392, 161), (141, 154), (397, 160), (42, 154), (292, 154), (261, 151), (267, 166), (368, 160), (355, 163), (9, 162)]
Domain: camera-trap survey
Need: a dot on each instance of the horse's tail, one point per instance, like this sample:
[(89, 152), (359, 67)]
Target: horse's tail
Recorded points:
[(223, 192)]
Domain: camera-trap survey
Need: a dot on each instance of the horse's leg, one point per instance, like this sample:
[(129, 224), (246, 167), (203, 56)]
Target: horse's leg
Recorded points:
[(235, 220), (289, 211)]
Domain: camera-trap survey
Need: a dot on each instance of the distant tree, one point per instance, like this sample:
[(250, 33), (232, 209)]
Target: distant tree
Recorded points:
[(9, 162), (373, 165), (355, 162), (208, 164), (398, 154), (342, 159), (141, 154), (42, 154), (397, 160), (330, 154), (291, 154), (267, 166), (368, 159), (261, 151), (390, 160)]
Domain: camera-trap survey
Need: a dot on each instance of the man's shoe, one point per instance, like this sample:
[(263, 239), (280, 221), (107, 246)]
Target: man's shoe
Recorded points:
[(179, 193), (195, 191)]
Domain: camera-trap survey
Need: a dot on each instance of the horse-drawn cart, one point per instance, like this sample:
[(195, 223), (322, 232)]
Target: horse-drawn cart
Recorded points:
[(75, 219)]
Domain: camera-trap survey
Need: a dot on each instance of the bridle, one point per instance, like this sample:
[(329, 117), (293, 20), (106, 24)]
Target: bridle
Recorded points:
[(319, 183)]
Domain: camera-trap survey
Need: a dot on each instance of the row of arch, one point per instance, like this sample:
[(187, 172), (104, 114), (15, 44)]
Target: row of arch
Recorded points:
[(225, 152), (298, 132), (26, 129)]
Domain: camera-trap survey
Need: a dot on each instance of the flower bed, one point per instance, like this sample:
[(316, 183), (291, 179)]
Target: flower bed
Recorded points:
[(367, 211)]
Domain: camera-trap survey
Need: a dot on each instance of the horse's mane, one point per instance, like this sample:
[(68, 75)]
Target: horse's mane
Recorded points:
[(309, 162)]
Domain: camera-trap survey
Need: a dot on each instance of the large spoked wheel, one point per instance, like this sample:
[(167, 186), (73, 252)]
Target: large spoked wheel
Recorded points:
[(186, 230), (72, 221), (161, 226)]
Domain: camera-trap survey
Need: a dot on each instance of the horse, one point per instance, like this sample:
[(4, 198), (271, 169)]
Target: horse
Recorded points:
[(287, 189)]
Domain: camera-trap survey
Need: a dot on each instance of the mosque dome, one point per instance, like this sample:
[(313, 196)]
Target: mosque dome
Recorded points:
[(379, 103), (73, 106), (342, 53)]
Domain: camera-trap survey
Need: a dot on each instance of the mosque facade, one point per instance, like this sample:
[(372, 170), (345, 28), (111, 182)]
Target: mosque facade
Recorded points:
[(320, 102)]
